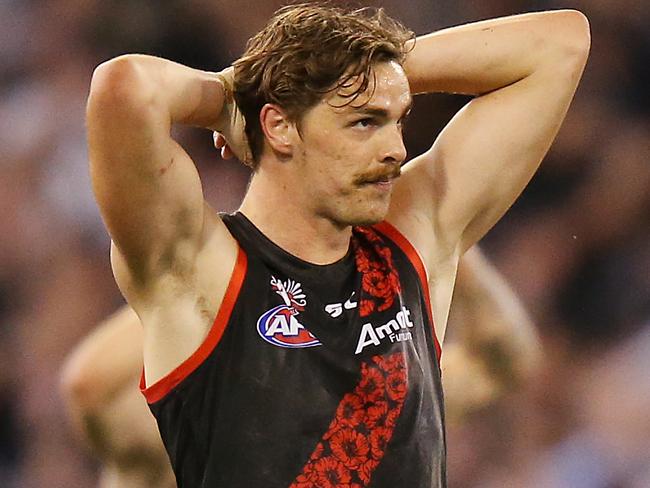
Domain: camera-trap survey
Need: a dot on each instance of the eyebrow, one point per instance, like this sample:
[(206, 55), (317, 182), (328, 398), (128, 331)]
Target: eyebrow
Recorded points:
[(382, 112)]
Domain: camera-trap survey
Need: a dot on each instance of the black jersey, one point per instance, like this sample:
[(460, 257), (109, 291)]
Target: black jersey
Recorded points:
[(312, 376)]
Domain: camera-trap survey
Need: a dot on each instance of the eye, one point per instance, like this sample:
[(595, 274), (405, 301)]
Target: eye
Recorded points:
[(365, 122)]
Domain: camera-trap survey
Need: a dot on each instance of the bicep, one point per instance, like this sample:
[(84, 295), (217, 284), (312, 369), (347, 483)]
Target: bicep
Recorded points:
[(147, 187), (486, 155), (491, 149)]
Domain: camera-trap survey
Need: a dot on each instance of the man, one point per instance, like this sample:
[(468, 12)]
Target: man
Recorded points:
[(295, 343), (496, 350)]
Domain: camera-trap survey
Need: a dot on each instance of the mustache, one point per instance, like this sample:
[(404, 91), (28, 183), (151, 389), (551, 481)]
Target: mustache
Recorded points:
[(381, 174)]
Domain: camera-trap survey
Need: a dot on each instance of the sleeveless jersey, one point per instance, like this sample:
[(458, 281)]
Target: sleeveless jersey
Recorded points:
[(312, 376)]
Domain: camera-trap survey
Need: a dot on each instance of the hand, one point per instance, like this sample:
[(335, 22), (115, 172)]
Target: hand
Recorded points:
[(221, 145), (230, 136)]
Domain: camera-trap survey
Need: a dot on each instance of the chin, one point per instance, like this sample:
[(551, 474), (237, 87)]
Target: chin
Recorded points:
[(366, 217), (357, 211), (367, 221)]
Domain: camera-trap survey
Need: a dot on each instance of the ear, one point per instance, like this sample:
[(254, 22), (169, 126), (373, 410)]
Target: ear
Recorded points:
[(278, 129)]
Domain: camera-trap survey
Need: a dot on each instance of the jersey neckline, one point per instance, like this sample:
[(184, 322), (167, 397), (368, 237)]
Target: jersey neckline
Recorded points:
[(291, 258)]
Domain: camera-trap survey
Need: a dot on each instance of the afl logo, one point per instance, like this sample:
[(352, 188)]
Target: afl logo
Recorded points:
[(279, 326)]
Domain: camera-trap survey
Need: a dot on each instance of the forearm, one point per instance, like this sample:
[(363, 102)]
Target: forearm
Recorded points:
[(123, 436), (492, 322), (484, 56), (109, 414), (494, 347), (160, 89), (107, 360)]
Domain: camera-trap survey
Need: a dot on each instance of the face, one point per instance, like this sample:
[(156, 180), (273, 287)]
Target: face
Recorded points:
[(349, 154)]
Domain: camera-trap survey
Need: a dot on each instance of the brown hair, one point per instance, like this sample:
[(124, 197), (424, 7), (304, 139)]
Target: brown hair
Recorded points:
[(306, 51)]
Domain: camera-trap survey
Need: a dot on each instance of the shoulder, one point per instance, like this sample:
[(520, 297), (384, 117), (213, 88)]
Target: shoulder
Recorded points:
[(208, 272), (419, 207)]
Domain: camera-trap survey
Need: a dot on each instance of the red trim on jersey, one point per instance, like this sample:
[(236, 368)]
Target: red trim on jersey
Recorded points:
[(398, 238), (163, 386)]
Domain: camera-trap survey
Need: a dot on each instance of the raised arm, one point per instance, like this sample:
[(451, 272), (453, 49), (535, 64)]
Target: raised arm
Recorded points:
[(172, 256), (524, 71), (146, 185)]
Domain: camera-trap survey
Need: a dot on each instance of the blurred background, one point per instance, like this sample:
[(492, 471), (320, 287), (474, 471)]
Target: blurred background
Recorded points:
[(575, 246)]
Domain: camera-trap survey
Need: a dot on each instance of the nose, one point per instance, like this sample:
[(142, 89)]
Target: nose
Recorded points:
[(393, 149)]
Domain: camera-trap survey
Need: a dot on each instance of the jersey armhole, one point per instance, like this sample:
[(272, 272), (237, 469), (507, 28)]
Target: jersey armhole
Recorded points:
[(416, 260), (163, 386)]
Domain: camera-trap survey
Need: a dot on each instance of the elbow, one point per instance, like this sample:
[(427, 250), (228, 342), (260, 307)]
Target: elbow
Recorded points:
[(580, 42), (118, 82), (572, 35), (115, 73), (564, 45), (77, 387), (112, 76), (526, 357)]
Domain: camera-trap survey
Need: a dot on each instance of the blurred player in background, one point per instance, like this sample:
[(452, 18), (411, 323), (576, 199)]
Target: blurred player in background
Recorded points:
[(100, 389)]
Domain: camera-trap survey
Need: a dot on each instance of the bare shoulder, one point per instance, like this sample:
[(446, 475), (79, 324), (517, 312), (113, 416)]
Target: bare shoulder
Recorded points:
[(413, 213), (217, 256), (178, 309), (212, 263), (417, 193)]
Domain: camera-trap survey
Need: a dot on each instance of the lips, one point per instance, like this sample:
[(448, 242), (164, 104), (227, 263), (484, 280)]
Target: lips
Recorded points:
[(379, 182), (380, 178), (382, 185)]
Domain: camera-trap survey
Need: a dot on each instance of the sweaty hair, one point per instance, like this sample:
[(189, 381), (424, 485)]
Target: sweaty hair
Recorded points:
[(308, 50)]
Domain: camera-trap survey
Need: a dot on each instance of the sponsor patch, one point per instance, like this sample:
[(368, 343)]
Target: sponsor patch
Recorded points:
[(280, 326)]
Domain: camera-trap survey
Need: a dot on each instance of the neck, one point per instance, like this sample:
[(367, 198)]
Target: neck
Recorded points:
[(290, 223)]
